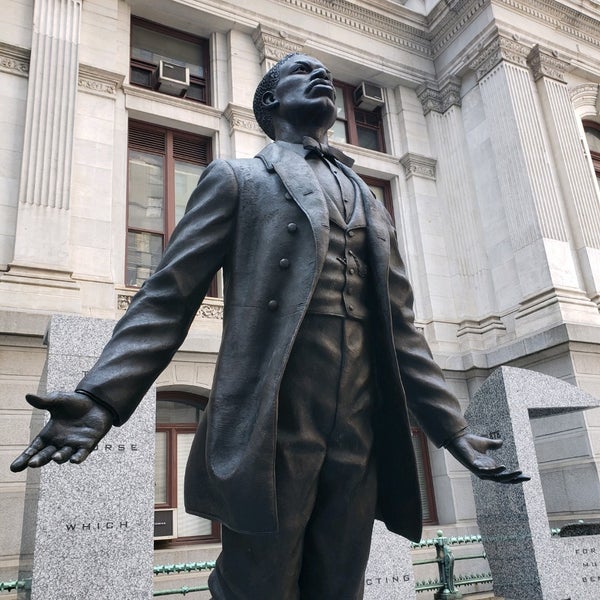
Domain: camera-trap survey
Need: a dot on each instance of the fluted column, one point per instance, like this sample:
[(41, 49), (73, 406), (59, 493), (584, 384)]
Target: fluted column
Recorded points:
[(533, 204), (473, 288), (578, 182), (42, 239)]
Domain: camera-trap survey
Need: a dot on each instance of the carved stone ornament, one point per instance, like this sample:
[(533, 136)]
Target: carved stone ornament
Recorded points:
[(99, 82), (544, 63), (585, 98), (439, 99), (418, 165), (206, 311), (240, 117), (274, 45), (499, 49), (14, 60)]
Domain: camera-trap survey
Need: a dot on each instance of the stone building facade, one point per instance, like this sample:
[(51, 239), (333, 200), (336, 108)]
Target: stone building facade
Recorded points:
[(476, 121)]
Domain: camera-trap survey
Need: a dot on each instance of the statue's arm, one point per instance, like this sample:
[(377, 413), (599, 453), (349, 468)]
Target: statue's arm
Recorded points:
[(436, 409), (150, 332)]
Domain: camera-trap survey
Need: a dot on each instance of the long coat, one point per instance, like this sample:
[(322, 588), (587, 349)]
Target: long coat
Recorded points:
[(245, 216)]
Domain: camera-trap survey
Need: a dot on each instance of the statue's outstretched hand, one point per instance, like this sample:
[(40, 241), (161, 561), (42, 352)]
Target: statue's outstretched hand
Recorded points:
[(76, 425), (471, 451)]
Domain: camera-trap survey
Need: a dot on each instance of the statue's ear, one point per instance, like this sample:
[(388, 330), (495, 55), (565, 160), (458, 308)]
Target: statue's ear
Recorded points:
[(269, 101)]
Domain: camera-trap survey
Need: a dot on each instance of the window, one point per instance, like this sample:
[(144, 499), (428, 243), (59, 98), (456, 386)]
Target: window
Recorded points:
[(177, 416), (592, 135), (381, 190), (355, 126), (424, 473), (164, 168), (152, 43)]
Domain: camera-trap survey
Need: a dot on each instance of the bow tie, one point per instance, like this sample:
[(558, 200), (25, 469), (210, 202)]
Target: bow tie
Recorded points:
[(327, 151)]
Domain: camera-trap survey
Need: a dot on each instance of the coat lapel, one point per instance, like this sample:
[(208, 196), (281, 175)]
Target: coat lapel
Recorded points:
[(301, 182)]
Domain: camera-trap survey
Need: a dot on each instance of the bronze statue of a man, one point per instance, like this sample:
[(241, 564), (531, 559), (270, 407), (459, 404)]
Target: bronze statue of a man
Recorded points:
[(306, 437)]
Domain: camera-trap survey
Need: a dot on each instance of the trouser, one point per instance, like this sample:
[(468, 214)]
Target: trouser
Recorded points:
[(325, 477)]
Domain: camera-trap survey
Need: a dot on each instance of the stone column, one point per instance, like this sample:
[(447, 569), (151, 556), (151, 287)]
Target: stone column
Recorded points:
[(473, 287), (42, 236), (578, 183), (533, 205)]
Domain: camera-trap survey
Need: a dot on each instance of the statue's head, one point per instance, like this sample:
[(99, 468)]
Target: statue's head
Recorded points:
[(295, 89)]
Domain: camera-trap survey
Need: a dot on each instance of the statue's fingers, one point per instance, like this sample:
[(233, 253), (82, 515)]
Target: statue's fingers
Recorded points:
[(63, 455), (22, 461), (80, 455), (494, 444), (44, 456)]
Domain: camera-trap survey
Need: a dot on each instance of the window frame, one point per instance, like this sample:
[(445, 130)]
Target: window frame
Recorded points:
[(137, 128), (172, 430), (203, 43), (595, 156), (384, 184), (350, 121)]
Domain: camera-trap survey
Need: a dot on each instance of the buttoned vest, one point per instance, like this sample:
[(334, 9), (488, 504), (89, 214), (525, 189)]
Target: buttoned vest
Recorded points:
[(343, 286)]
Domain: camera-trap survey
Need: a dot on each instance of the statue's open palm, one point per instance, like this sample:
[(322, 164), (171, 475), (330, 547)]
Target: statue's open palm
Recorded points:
[(76, 425)]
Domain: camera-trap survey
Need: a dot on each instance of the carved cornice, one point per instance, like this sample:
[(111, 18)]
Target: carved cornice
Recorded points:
[(241, 118), (544, 63), (459, 14), (14, 59), (390, 29), (439, 99), (500, 49), (585, 98), (274, 45), (418, 165), (99, 82)]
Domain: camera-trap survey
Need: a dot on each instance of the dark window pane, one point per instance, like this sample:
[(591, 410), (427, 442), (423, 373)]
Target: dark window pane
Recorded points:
[(368, 138), (144, 251), (196, 91), (186, 178), (593, 138), (141, 76)]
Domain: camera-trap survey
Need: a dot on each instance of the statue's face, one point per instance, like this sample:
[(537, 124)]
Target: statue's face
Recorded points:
[(305, 91)]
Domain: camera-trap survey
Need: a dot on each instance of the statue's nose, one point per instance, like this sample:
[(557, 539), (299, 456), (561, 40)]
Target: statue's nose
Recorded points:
[(319, 73)]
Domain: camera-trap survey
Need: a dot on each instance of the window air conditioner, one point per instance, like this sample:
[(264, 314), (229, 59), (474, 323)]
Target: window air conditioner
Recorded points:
[(368, 96), (171, 78), (165, 523)]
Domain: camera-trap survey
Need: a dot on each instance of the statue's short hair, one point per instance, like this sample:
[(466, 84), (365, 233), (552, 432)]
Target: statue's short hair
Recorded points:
[(268, 84)]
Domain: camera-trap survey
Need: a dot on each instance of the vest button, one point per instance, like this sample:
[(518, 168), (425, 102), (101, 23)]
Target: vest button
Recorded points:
[(351, 271), (350, 307), (292, 227), (284, 263), (273, 305), (351, 233), (287, 196)]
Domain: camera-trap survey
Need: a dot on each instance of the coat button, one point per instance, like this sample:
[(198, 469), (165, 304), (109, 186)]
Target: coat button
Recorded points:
[(287, 196), (284, 263), (273, 305), (351, 271), (351, 233), (292, 227)]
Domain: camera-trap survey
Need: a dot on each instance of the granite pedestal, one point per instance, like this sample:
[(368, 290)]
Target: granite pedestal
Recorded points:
[(94, 530), (526, 562), (389, 571)]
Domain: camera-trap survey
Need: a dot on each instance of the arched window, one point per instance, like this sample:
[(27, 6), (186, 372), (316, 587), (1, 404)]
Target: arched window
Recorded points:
[(177, 416)]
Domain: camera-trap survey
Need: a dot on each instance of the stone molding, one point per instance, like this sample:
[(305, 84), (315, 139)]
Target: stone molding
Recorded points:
[(14, 59), (390, 28), (545, 63), (210, 309), (585, 98), (459, 14), (500, 49), (98, 81), (419, 166), (439, 99), (480, 327), (274, 45), (241, 118)]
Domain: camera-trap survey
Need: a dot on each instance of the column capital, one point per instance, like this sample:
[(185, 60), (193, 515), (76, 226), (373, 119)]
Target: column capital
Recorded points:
[(273, 45), (500, 48), (545, 63), (419, 165), (586, 99), (439, 98)]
